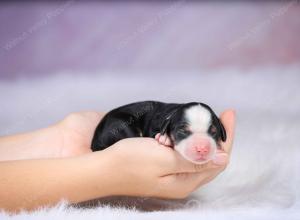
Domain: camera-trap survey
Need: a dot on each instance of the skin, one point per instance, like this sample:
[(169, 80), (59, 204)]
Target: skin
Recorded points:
[(42, 167)]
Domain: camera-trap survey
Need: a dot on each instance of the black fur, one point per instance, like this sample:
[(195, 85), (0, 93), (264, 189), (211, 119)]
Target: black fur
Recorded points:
[(146, 119)]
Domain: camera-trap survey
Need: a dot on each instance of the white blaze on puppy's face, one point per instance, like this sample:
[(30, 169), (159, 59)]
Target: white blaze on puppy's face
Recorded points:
[(198, 118), (199, 147)]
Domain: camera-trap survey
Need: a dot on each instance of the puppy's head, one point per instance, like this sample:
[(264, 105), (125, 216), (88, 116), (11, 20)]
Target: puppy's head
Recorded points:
[(195, 131)]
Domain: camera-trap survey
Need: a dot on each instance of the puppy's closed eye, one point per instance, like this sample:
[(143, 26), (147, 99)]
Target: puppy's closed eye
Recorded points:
[(182, 132), (213, 130)]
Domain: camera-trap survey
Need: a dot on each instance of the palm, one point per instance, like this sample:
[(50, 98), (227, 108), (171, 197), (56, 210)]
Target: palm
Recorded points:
[(76, 132)]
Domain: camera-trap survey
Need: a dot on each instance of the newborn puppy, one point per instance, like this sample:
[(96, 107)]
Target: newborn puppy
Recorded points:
[(192, 129)]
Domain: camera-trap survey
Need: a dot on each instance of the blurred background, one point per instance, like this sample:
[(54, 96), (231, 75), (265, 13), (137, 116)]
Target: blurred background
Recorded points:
[(58, 57), (63, 56), (39, 38)]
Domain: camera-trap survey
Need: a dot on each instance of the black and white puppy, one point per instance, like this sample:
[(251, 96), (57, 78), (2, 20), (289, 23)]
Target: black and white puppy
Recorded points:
[(192, 129)]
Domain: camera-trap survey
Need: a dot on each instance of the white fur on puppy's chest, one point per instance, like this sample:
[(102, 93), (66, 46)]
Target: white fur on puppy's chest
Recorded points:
[(198, 118)]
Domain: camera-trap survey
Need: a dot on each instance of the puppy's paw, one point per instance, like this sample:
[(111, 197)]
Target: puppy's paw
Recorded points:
[(163, 139)]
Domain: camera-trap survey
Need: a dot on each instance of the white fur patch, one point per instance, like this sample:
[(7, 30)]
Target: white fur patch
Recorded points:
[(198, 118)]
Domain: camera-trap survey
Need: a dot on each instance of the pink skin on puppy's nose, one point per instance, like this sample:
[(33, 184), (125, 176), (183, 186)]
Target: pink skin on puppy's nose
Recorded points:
[(199, 149), (203, 150)]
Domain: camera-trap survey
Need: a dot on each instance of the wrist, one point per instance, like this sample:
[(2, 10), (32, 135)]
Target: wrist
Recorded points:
[(100, 173)]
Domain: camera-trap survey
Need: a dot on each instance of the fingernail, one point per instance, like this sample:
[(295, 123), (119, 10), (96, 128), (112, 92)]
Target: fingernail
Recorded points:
[(220, 159)]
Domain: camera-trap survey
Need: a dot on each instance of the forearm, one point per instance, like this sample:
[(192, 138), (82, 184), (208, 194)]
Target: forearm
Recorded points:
[(28, 184), (31, 145)]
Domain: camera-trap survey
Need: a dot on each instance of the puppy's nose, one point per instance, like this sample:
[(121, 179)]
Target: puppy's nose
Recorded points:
[(203, 150)]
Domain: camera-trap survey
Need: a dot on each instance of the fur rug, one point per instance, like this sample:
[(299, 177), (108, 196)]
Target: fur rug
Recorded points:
[(263, 178)]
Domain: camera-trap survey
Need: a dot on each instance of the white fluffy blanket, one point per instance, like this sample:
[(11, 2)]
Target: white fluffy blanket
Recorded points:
[(263, 178)]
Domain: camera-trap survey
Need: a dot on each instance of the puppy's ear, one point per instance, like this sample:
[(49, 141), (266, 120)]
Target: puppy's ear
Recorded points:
[(221, 129), (217, 121)]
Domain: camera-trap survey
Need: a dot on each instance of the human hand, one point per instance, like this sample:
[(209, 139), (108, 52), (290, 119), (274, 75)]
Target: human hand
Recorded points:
[(76, 132), (134, 166), (69, 137), (143, 167)]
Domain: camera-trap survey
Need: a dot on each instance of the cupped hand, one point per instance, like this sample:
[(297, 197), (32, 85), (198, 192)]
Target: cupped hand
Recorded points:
[(70, 137), (143, 167), (75, 133), (133, 166)]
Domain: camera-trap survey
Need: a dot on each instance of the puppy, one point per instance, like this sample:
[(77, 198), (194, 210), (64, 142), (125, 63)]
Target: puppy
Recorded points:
[(192, 129)]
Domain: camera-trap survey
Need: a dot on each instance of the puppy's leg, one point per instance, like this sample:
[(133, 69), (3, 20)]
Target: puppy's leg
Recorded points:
[(163, 139)]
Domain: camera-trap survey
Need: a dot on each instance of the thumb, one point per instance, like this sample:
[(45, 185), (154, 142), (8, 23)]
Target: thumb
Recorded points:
[(221, 159)]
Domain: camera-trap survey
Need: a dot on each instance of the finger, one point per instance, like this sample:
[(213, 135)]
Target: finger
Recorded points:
[(228, 120), (221, 159), (207, 177), (188, 182), (199, 179)]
